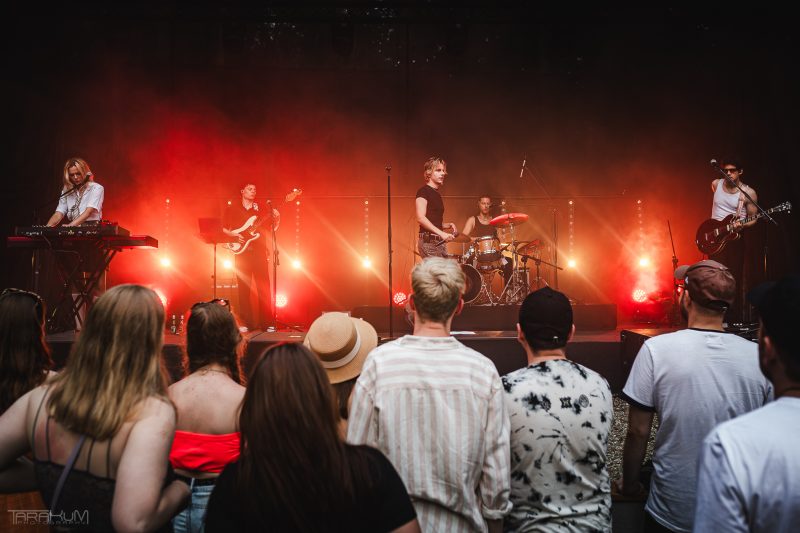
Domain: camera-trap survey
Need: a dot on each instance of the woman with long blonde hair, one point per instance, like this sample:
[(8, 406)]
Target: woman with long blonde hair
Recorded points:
[(100, 432)]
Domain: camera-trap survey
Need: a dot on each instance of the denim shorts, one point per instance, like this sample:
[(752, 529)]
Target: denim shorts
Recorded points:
[(192, 518)]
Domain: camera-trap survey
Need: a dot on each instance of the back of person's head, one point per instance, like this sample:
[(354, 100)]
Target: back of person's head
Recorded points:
[(342, 344), (114, 364), (24, 354), (545, 318), (778, 304), (437, 286), (710, 285), (212, 336), (291, 451)]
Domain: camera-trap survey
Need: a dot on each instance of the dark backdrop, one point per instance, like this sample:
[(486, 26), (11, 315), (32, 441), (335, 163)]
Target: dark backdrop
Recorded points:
[(608, 107)]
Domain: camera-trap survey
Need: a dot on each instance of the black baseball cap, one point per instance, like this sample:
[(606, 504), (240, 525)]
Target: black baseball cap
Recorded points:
[(546, 317)]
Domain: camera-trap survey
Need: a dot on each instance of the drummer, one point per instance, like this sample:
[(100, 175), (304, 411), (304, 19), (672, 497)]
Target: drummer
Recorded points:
[(478, 226)]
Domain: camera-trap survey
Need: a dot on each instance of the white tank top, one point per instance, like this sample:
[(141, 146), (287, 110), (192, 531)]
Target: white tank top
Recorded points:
[(725, 203)]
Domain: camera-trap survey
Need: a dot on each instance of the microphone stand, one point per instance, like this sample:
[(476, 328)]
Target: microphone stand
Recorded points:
[(555, 222), (388, 169), (675, 313), (275, 259)]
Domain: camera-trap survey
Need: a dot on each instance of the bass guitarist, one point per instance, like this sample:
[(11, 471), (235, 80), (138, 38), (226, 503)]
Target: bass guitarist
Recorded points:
[(429, 209), (252, 264), (728, 200)]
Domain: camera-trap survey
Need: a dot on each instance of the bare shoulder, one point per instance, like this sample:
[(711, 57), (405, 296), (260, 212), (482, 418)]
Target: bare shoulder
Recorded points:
[(714, 185), (155, 408)]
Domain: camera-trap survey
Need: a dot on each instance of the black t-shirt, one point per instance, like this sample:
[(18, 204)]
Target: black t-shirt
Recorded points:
[(435, 210), (235, 217), (384, 506)]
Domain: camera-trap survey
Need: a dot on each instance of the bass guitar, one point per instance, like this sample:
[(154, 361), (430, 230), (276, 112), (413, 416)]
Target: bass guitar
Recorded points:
[(248, 229), (713, 235)]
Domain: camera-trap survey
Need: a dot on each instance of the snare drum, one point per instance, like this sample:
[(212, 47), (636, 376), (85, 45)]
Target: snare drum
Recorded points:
[(487, 249)]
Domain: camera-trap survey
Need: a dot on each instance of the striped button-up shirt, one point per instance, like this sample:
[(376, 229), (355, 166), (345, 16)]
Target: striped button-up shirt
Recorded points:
[(435, 408)]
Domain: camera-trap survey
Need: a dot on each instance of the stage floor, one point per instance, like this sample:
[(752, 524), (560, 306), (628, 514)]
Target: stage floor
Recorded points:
[(609, 352)]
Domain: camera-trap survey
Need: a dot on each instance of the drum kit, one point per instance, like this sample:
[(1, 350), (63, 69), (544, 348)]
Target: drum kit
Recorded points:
[(482, 260)]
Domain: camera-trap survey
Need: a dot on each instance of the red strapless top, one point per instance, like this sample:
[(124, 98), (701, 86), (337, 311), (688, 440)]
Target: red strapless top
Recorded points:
[(203, 452)]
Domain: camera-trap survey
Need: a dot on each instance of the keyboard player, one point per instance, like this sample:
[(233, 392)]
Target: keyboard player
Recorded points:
[(81, 197)]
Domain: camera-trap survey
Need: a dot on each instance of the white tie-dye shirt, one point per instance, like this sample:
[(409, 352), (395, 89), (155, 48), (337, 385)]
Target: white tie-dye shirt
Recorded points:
[(560, 416)]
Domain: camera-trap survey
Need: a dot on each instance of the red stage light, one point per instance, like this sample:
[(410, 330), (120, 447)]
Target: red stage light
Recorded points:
[(400, 298), (639, 295), (281, 300)]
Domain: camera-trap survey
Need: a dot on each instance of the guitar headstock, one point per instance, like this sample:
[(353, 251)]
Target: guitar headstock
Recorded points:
[(785, 206), (294, 194)]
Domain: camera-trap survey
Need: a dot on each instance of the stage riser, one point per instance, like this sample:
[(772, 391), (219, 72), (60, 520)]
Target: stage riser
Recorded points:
[(588, 317), (606, 358)]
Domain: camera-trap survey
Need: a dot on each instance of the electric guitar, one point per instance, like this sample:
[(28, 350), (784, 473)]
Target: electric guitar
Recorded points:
[(248, 229), (712, 235)]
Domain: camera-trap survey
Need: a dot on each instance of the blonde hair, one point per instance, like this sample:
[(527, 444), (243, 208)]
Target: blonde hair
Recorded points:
[(432, 162), (437, 285), (83, 168), (114, 365)]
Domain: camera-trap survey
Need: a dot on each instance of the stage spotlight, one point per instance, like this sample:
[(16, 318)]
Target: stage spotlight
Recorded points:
[(400, 298), (165, 262), (366, 263), (572, 263), (281, 301), (227, 264), (644, 262), (296, 264), (639, 295)]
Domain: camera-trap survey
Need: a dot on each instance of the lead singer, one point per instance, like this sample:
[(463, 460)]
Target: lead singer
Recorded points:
[(430, 211)]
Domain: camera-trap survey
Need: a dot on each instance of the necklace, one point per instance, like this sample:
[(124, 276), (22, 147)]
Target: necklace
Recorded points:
[(207, 370)]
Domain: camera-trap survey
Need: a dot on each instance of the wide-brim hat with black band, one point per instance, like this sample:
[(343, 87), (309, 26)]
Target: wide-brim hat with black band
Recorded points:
[(709, 283), (342, 343)]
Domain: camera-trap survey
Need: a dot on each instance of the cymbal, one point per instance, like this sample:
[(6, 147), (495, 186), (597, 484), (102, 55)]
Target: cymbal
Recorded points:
[(529, 245), (509, 219)]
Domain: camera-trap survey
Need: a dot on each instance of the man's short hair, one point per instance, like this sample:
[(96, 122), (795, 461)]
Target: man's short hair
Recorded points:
[(778, 304), (732, 159), (710, 284), (432, 162), (545, 318), (437, 286)]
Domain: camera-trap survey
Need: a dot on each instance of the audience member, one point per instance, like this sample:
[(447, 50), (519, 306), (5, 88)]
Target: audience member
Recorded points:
[(694, 379), (341, 343), (560, 415), (208, 402), (747, 479), (100, 431), (295, 472), (435, 407)]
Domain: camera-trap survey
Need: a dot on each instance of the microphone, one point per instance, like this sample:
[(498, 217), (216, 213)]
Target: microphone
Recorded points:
[(714, 163), (522, 170)]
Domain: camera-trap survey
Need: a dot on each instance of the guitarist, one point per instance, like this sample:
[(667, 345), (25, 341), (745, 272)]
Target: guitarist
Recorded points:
[(252, 265), (430, 211), (728, 200)]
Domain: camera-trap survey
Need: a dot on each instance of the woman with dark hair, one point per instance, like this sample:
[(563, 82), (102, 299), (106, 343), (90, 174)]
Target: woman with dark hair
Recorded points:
[(295, 472), (208, 402), (100, 431), (24, 356)]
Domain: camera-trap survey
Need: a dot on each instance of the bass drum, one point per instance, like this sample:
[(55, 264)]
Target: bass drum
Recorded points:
[(474, 283)]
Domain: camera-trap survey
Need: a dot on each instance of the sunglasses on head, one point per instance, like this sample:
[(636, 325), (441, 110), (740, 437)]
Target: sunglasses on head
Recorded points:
[(36, 298)]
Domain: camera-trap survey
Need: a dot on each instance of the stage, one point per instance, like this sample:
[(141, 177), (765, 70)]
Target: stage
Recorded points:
[(609, 352)]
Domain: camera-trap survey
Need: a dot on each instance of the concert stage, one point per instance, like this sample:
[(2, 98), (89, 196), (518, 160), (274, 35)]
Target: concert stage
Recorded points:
[(610, 352)]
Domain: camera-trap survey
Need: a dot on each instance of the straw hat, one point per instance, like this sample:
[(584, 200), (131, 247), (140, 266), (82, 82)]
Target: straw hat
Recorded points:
[(341, 343)]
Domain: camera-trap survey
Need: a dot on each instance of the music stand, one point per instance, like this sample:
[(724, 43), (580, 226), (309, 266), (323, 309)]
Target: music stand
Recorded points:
[(211, 233)]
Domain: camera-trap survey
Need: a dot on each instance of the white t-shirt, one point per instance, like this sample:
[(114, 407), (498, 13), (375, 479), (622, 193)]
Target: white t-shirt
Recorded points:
[(560, 416), (748, 472), (73, 204), (694, 380)]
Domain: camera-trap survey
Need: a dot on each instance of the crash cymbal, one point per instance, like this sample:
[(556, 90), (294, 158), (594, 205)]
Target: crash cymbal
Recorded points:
[(509, 219), (528, 245)]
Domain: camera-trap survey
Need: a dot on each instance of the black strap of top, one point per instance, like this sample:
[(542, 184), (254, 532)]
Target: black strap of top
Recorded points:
[(65, 472)]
